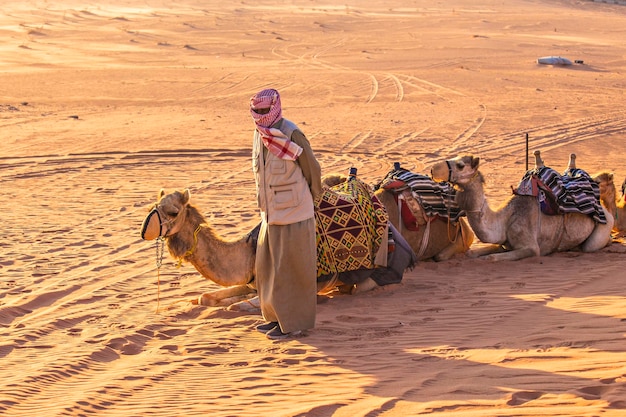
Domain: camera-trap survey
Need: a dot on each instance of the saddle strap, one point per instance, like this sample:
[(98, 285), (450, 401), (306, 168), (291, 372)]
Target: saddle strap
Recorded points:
[(547, 199), (424, 243), (415, 215)]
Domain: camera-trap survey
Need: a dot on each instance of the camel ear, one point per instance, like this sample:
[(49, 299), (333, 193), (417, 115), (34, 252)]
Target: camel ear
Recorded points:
[(161, 194), (186, 196), (475, 162)]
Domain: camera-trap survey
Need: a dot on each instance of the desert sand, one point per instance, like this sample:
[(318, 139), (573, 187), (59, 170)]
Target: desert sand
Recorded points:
[(102, 104)]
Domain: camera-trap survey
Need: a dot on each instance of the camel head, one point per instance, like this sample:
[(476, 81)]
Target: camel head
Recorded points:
[(606, 182), (460, 170), (167, 216), (330, 180)]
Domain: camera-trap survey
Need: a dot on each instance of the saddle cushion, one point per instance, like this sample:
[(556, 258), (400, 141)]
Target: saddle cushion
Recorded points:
[(393, 184), (351, 227)]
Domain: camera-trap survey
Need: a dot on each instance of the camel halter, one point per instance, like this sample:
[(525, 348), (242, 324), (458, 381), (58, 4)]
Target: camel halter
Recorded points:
[(459, 177), (459, 229), (481, 211), (164, 230), (163, 225)]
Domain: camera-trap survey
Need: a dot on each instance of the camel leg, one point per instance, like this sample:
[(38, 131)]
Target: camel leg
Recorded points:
[(499, 253), (485, 250), (512, 255), (215, 298), (367, 285), (601, 235), (463, 235), (251, 305), (457, 246), (450, 251)]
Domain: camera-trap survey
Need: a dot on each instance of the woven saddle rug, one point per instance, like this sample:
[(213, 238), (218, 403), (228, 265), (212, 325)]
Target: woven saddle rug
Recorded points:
[(435, 198), (352, 226), (573, 192)]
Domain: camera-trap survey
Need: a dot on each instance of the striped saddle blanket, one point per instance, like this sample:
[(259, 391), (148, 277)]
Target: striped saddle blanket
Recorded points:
[(352, 227), (573, 192), (435, 198)]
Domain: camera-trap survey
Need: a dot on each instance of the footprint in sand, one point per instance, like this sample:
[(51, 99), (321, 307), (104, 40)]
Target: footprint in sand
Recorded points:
[(620, 405), (353, 319), (124, 346), (74, 331), (593, 392), (523, 397)]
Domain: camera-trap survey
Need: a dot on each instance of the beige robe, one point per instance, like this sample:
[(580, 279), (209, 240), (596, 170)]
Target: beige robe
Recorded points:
[(286, 259)]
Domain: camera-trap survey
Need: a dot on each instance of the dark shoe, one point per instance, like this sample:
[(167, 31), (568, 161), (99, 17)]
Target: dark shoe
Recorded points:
[(277, 334), (264, 328)]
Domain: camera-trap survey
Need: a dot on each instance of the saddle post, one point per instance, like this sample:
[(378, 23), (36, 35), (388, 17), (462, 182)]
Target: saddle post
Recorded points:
[(538, 160), (572, 161)]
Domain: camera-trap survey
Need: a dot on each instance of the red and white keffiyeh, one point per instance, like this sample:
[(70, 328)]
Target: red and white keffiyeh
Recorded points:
[(273, 139)]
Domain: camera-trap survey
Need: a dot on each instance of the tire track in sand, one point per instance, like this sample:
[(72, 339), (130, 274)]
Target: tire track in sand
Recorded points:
[(546, 137)]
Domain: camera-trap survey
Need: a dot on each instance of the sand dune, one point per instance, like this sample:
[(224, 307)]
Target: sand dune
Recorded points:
[(101, 106)]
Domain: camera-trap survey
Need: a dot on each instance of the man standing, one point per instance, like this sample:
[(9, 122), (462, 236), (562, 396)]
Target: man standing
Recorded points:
[(288, 179)]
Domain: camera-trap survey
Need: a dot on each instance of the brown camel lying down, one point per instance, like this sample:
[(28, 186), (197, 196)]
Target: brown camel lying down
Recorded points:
[(518, 229), (230, 263)]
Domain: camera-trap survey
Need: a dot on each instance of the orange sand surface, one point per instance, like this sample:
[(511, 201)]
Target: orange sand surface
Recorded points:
[(102, 105)]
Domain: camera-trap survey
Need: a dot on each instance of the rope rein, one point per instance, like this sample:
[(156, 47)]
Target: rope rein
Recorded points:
[(481, 211), (160, 249), (458, 222)]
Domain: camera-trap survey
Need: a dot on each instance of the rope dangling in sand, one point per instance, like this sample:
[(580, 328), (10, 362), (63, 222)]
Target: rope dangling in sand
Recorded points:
[(160, 248)]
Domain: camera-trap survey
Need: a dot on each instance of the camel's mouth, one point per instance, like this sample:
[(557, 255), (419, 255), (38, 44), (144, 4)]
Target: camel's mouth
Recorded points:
[(151, 227)]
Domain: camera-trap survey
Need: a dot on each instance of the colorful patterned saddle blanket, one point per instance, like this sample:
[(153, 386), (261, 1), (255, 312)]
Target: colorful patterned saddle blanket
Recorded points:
[(352, 227), (419, 195), (573, 192)]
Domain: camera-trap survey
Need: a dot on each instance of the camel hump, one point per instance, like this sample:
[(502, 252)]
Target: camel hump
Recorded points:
[(572, 161), (538, 160)]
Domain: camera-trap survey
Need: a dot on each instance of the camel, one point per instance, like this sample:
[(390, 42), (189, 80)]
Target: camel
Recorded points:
[(436, 239), (615, 204), (230, 263), (518, 229)]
